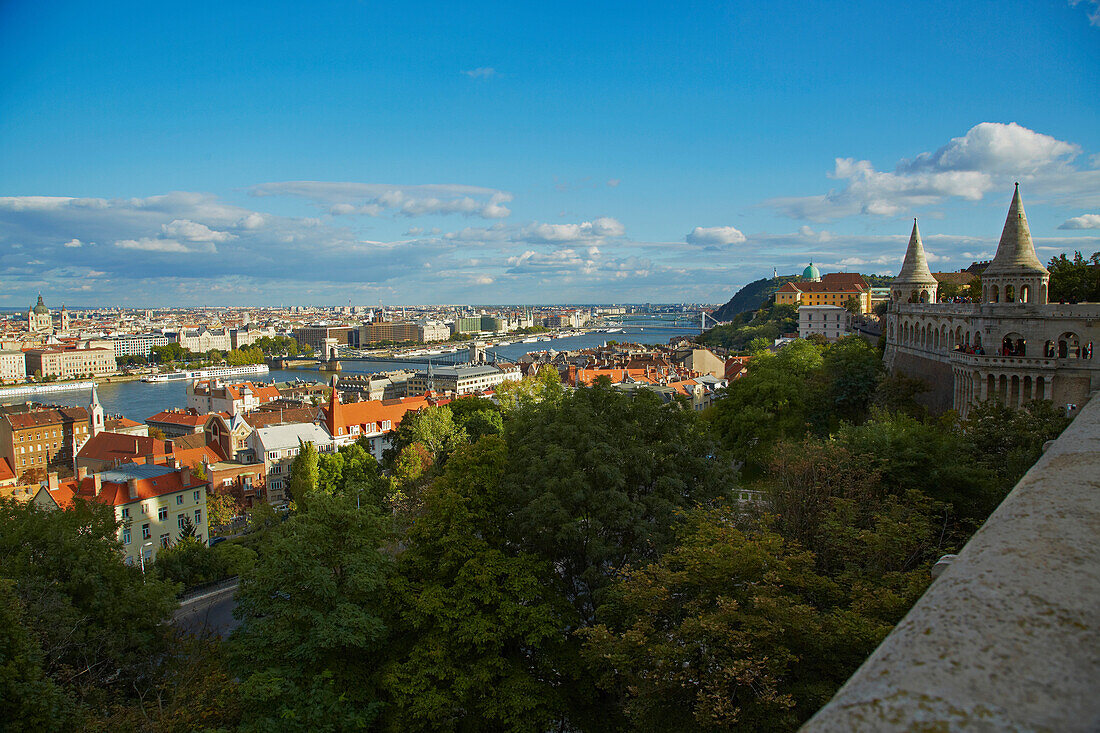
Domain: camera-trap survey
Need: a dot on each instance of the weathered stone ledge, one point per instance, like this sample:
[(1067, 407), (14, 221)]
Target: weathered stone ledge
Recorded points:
[(1008, 637)]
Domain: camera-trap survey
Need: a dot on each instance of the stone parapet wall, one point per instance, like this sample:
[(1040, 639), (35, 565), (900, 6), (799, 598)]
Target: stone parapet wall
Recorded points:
[(1008, 638)]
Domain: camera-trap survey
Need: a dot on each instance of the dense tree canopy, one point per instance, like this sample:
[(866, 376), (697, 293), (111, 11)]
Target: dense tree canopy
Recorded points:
[(1074, 280), (313, 610)]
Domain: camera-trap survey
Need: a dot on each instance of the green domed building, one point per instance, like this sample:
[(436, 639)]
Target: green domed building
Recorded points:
[(811, 274)]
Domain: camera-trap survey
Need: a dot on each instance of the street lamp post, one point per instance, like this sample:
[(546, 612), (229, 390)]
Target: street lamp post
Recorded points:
[(141, 558)]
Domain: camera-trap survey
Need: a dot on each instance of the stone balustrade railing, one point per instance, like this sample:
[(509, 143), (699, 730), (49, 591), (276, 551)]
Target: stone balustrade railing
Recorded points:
[(1008, 637)]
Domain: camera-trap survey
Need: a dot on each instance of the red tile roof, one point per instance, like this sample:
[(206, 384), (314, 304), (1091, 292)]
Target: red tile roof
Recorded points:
[(122, 447), (48, 416), (118, 494), (188, 418), (370, 414), (6, 472)]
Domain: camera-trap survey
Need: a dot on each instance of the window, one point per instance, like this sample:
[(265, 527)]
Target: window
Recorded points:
[(198, 517), (179, 499), (162, 513), (125, 512), (196, 496), (165, 539), (179, 520), (145, 531), (126, 536)]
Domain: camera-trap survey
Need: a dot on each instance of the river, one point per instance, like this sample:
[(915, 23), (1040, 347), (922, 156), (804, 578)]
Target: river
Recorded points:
[(140, 400)]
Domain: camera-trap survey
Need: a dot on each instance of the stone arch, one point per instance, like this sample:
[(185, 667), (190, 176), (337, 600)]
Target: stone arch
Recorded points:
[(1049, 349), (935, 339), (1029, 388), (977, 339), (1025, 293), (924, 296), (1069, 346), (1040, 388), (1010, 293), (1086, 351), (994, 294), (958, 336), (1002, 389), (913, 297), (1014, 391), (1013, 344)]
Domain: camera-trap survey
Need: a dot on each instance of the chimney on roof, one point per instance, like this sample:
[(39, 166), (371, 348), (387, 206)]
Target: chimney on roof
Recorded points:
[(81, 473), (131, 488), (52, 482), (185, 475), (97, 483)]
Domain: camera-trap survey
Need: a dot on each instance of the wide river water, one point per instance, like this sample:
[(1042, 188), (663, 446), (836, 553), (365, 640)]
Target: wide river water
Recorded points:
[(140, 400)]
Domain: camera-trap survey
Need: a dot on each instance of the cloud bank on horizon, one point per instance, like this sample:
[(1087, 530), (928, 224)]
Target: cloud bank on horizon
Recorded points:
[(190, 247)]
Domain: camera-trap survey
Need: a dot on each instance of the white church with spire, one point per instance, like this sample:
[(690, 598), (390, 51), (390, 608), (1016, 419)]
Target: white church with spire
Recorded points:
[(1013, 346)]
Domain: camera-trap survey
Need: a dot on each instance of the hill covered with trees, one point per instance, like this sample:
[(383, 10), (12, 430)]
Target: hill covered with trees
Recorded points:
[(751, 297)]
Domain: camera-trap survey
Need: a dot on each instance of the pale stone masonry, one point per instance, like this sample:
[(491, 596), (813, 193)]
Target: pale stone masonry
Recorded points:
[(1008, 637), (1013, 346)]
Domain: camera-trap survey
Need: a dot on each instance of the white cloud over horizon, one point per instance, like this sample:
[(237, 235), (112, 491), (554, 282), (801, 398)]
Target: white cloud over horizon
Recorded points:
[(715, 236), (1085, 221), (376, 199), (990, 156)]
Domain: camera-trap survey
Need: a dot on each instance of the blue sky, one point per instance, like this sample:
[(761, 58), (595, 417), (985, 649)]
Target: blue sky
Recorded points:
[(279, 153)]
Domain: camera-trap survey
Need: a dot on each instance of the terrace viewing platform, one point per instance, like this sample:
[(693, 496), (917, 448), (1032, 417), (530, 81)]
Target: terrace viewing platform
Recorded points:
[(1008, 637)]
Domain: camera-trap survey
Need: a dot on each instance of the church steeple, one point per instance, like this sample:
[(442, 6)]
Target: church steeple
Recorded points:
[(95, 412), (914, 282)]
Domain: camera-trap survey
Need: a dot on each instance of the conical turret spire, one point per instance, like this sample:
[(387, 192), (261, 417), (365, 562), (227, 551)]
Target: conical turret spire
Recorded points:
[(915, 267), (1016, 252)]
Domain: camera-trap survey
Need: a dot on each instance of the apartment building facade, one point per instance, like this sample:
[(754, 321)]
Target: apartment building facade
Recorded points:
[(70, 363)]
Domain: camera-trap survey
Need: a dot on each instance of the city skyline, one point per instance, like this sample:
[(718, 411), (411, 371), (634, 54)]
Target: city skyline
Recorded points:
[(280, 154)]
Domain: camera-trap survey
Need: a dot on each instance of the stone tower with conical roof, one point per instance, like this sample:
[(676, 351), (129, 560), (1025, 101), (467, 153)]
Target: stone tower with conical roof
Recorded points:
[(1015, 276), (914, 283)]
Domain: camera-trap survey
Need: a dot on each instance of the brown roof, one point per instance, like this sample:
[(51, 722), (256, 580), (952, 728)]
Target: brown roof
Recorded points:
[(49, 416), (844, 286), (282, 417), (188, 442), (845, 281)]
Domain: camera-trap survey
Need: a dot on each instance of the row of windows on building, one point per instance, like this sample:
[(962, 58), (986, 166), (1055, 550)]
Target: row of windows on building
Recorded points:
[(146, 532)]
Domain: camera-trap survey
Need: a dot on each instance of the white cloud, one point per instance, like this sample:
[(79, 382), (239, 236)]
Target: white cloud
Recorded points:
[(151, 244), (1085, 221), (194, 232), (375, 199), (715, 236), (1092, 9), (481, 72), (989, 157), (251, 221), (74, 243), (613, 182), (563, 233)]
